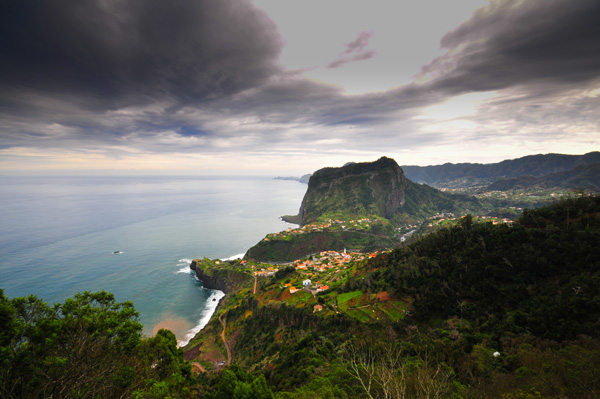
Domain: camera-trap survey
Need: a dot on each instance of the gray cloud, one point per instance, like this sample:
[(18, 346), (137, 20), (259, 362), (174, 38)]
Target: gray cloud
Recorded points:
[(510, 43), (110, 54), (359, 44), (355, 51), (185, 76)]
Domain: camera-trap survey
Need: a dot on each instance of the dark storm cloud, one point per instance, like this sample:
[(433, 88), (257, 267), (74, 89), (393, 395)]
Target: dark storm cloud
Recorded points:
[(110, 54), (509, 43), (184, 75)]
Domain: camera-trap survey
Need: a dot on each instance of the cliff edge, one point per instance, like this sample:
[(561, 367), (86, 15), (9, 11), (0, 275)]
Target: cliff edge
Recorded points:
[(356, 189), (218, 275)]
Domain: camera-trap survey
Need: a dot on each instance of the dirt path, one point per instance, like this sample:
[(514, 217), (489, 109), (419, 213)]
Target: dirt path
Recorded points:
[(255, 279), (197, 368), (225, 340)]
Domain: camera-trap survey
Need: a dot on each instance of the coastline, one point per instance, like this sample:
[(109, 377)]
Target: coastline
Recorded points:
[(216, 296), (220, 284), (205, 317)]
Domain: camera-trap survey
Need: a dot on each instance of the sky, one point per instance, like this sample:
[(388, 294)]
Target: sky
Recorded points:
[(274, 87)]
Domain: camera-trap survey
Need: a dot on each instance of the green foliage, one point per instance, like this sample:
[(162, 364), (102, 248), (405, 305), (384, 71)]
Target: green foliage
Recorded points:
[(318, 388), (527, 291), (235, 383), (541, 275), (89, 346)]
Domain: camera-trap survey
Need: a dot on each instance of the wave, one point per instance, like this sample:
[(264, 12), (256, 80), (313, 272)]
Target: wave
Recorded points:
[(184, 269), (184, 265), (238, 256), (211, 305)]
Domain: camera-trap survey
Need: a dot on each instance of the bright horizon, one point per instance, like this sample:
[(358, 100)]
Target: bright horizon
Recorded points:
[(273, 88)]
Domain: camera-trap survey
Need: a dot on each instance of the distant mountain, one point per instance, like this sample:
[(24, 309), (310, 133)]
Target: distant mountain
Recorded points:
[(373, 188), (301, 179), (584, 177), (473, 174)]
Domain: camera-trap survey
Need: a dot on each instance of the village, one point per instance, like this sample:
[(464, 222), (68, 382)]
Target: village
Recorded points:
[(316, 272), (325, 272), (315, 282)]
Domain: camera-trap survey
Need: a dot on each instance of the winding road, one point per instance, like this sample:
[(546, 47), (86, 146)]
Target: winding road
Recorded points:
[(225, 340)]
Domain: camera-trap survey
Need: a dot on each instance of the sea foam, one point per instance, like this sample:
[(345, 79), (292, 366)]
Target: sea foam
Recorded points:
[(184, 266), (211, 304)]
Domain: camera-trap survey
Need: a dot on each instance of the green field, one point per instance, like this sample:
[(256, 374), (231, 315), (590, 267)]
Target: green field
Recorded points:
[(359, 315), (395, 310), (343, 298)]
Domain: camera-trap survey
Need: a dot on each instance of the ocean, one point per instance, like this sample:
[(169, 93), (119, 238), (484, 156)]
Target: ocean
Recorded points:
[(59, 235)]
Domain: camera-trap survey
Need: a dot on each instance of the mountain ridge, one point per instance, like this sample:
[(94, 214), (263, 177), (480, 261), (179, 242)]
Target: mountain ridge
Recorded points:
[(479, 174), (533, 165)]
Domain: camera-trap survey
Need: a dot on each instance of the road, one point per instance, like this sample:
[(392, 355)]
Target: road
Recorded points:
[(225, 340)]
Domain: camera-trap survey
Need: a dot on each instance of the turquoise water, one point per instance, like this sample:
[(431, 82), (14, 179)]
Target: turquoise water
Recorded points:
[(58, 235)]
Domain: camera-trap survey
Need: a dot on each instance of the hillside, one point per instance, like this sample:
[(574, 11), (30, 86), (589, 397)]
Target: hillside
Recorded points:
[(372, 188), (472, 310), (358, 206), (473, 174), (441, 307), (582, 177)]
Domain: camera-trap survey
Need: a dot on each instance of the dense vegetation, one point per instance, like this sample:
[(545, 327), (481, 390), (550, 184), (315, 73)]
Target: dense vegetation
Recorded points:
[(87, 347), (495, 311), (540, 276)]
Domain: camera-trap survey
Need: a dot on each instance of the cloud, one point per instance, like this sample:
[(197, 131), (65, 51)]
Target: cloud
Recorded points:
[(356, 50), (121, 80), (111, 54), (554, 43)]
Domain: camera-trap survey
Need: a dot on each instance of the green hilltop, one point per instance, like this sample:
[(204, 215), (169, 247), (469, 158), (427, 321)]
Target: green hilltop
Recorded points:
[(359, 206), (373, 188)]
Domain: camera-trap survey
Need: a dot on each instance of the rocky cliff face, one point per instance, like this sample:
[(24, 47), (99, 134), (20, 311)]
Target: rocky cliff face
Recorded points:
[(369, 188), (214, 278)]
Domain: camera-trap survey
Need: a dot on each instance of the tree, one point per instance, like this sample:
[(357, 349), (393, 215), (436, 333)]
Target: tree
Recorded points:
[(388, 371), (87, 347)]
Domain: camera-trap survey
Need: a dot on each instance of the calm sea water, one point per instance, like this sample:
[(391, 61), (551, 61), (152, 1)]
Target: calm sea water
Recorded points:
[(58, 235)]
